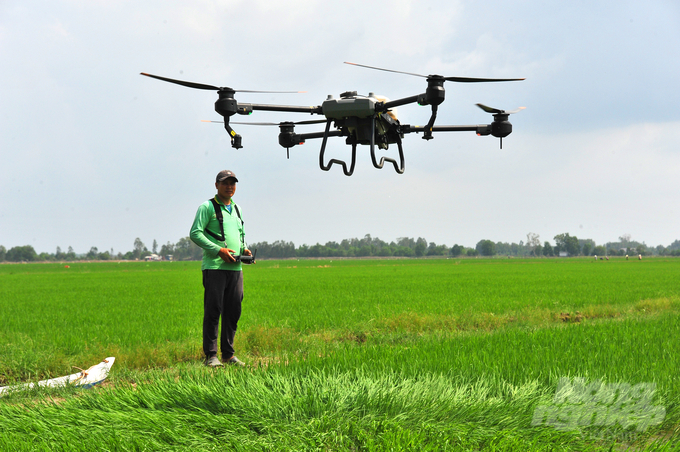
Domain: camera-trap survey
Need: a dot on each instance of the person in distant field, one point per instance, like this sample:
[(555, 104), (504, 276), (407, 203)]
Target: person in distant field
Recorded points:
[(222, 275)]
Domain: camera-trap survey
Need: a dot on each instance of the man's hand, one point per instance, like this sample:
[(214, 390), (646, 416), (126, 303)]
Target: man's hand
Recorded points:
[(247, 252), (225, 254)]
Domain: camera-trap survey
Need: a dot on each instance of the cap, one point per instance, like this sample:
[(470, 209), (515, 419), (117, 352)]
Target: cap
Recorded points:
[(225, 174)]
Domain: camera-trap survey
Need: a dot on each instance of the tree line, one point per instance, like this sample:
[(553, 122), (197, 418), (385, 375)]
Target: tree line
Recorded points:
[(568, 245), (564, 245)]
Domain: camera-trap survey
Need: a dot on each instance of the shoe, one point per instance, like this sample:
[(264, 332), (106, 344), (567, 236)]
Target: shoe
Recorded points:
[(213, 361), (234, 361)]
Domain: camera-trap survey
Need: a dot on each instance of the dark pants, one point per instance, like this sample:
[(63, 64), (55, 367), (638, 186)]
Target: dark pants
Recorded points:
[(222, 297)]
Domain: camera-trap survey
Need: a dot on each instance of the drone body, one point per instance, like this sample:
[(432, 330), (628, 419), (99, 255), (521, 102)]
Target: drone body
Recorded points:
[(368, 120)]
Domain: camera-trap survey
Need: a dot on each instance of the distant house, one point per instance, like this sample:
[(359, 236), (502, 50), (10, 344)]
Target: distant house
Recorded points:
[(152, 257), (564, 254)]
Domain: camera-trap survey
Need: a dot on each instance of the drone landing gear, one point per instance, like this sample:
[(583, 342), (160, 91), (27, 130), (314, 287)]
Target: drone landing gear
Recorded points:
[(397, 168), (353, 140), (333, 161)]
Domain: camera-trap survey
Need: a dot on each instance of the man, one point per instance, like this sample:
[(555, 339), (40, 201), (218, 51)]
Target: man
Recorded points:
[(222, 275)]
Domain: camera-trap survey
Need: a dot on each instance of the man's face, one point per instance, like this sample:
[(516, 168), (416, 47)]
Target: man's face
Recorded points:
[(226, 189)]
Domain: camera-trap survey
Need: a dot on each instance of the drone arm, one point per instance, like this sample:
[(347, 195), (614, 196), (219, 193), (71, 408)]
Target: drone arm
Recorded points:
[(482, 129), (288, 138), (433, 96), (248, 108), (333, 133), (384, 106), (499, 130)]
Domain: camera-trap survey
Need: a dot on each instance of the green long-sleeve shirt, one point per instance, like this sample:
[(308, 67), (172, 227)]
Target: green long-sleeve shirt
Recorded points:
[(234, 235)]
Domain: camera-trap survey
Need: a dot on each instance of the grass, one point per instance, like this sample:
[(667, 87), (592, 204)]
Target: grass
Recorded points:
[(345, 355)]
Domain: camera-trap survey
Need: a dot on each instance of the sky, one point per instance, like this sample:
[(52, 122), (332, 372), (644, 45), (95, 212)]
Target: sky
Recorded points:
[(92, 154)]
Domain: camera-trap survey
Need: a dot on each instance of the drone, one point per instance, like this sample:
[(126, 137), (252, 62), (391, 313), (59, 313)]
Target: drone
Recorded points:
[(367, 120)]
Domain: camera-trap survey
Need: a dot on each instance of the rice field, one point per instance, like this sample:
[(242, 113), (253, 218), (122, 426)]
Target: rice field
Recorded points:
[(399, 354)]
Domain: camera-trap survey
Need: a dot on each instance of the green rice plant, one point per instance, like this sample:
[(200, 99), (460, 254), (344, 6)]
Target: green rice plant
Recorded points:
[(345, 355), (150, 313), (470, 392)]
